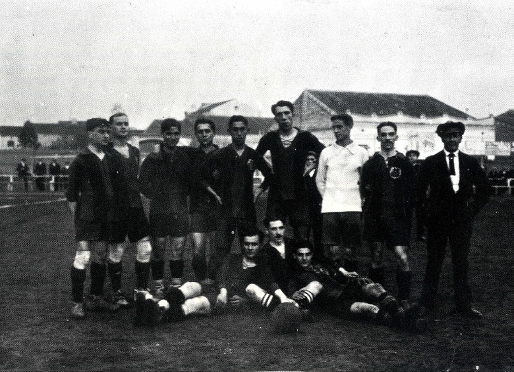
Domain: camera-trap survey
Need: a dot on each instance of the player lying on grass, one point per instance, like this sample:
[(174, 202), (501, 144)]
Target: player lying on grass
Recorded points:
[(244, 279), (347, 294)]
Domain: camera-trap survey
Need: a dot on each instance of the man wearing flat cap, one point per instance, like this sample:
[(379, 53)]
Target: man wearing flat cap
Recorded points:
[(452, 189)]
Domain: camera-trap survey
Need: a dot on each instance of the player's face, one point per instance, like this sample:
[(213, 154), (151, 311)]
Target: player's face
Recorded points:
[(120, 127), (238, 131), (341, 130), (451, 140), (284, 118), (413, 158), (276, 231), (100, 136), (387, 137), (171, 137), (251, 246), (310, 161), (304, 257), (204, 134)]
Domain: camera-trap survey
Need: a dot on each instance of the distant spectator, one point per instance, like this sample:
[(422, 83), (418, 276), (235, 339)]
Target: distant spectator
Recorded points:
[(54, 169), (65, 171), (23, 171), (40, 172)]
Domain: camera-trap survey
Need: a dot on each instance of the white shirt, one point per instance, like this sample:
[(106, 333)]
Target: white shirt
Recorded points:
[(338, 177), (454, 178)]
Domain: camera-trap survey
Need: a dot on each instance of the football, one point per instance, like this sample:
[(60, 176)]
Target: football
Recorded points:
[(286, 318)]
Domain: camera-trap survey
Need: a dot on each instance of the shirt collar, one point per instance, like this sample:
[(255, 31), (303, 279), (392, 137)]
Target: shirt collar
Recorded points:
[(351, 147), (99, 154), (446, 153)]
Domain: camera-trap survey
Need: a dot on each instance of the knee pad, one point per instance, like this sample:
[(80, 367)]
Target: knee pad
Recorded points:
[(81, 259), (116, 253), (144, 250)]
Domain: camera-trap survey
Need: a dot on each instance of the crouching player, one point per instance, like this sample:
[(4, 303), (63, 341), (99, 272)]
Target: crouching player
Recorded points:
[(244, 279), (346, 294)]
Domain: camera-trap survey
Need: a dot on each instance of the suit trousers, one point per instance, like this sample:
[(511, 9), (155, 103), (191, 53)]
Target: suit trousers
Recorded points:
[(456, 233)]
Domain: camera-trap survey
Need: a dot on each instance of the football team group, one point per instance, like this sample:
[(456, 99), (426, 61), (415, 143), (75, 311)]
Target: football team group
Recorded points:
[(332, 197)]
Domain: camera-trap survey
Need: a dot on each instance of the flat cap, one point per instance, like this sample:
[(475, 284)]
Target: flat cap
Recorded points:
[(450, 125)]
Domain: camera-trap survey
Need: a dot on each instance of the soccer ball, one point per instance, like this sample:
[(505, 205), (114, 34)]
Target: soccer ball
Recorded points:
[(286, 318)]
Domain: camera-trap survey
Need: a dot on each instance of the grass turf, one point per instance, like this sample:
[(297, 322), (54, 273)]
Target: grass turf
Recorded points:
[(37, 333)]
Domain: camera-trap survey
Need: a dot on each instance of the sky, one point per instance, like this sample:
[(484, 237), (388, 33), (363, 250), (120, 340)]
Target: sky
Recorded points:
[(63, 60)]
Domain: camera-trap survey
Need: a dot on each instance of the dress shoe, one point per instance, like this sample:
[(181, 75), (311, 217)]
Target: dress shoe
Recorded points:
[(469, 313)]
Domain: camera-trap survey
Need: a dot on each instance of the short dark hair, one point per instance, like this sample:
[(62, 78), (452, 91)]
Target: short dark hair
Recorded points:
[(268, 219), (169, 123), (205, 121), (345, 118), (282, 103), (117, 115), (251, 231), (414, 152), (236, 118), (92, 124), (387, 124), (297, 244)]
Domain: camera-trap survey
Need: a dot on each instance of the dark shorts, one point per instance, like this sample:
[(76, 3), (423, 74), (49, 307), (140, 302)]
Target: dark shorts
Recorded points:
[(92, 231), (342, 228), (296, 210), (337, 299), (135, 226), (203, 222), (389, 230), (174, 225)]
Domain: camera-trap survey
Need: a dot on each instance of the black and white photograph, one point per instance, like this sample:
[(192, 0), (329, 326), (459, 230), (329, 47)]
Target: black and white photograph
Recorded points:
[(288, 185)]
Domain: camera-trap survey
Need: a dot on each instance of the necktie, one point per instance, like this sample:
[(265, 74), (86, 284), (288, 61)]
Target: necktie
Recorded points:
[(452, 164)]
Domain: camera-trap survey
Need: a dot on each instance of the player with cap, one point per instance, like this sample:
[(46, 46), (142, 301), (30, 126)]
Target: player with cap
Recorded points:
[(452, 189), (96, 199)]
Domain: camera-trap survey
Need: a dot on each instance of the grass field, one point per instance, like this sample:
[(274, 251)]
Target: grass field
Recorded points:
[(37, 334)]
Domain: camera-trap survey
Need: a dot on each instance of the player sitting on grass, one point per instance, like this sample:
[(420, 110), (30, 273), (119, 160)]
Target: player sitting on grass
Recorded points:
[(279, 255), (348, 294), (243, 279)]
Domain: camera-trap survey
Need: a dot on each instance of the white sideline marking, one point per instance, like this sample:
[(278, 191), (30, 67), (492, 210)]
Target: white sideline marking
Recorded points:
[(34, 203)]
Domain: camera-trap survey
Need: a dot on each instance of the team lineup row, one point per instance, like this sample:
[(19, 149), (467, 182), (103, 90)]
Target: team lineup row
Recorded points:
[(208, 192)]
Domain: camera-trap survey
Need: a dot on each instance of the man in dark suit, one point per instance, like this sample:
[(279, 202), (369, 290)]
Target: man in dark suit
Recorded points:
[(452, 189)]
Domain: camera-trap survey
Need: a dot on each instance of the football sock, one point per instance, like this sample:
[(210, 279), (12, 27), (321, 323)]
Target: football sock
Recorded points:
[(403, 279), (259, 295), (157, 269), (115, 275), (197, 305), (98, 272), (199, 267), (191, 289), (177, 268), (142, 274), (78, 277)]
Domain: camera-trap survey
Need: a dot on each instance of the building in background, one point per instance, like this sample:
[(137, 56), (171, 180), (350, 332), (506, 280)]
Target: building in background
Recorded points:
[(417, 117)]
